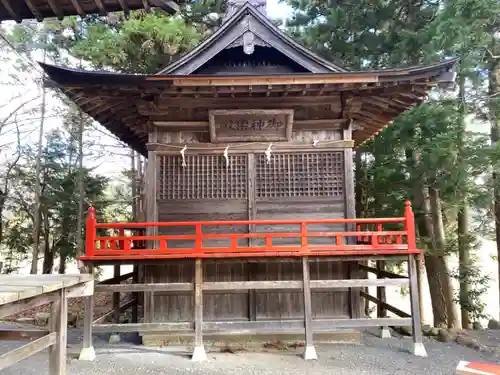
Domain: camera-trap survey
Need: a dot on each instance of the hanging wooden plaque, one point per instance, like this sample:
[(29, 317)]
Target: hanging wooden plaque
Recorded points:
[(251, 125)]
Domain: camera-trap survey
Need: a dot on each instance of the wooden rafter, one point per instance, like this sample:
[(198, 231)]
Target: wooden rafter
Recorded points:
[(146, 5), (124, 6), (34, 10), (166, 4), (100, 6), (78, 8), (10, 9), (56, 9)]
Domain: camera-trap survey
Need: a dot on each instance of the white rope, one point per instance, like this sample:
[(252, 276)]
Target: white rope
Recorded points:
[(222, 148), (183, 152), (226, 156), (268, 153)]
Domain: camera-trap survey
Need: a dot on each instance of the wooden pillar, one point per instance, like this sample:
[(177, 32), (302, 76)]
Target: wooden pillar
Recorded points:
[(114, 338), (350, 213), (151, 182), (135, 295), (418, 345), (199, 354), (310, 350), (59, 324), (252, 267), (385, 333), (88, 353)]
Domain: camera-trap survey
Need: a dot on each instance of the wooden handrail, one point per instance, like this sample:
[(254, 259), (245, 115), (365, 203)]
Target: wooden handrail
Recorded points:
[(377, 241)]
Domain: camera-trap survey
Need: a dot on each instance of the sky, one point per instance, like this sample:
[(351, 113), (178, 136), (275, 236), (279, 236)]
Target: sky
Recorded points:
[(278, 9)]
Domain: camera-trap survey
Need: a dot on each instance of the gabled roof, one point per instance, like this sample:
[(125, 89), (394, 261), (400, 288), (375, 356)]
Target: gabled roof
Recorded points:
[(249, 20), (19, 10)]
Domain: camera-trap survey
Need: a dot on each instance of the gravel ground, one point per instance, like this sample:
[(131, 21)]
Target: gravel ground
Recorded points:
[(374, 357)]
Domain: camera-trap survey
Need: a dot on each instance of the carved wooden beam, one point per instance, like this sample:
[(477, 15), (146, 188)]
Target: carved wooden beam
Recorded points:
[(78, 7), (100, 6), (56, 9), (34, 10), (150, 108), (10, 9), (267, 80), (322, 124)]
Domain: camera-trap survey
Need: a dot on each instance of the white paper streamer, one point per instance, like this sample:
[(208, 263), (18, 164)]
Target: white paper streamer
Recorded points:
[(226, 155), (183, 151), (268, 153)]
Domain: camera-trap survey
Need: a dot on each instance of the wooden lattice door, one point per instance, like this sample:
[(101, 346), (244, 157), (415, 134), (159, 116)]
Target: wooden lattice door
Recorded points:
[(206, 189), (299, 186)]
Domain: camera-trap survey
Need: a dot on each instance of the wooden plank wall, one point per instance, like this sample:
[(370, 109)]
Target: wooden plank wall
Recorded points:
[(253, 189)]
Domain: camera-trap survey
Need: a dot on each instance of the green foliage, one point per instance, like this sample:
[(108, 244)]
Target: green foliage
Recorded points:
[(59, 199), (142, 43), (431, 147)]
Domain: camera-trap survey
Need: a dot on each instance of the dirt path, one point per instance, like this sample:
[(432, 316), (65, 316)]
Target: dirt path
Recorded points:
[(374, 357)]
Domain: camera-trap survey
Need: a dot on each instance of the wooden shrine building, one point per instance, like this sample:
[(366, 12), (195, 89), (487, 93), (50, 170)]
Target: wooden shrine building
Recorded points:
[(249, 196)]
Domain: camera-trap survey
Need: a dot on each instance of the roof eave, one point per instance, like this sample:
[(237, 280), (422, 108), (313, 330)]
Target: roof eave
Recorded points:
[(440, 73)]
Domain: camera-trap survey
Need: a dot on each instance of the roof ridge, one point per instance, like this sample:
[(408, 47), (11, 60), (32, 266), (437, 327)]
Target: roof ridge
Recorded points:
[(250, 9)]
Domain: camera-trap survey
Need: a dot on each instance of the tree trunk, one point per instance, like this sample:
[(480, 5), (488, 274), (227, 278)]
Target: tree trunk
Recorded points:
[(494, 109), (464, 263), (81, 199), (48, 254), (36, 224), (62, 263), (463, 222), (446, 284), (435, 263), (3, 197)]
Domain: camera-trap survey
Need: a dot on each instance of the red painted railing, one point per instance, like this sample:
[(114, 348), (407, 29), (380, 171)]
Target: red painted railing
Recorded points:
[(368, 238)]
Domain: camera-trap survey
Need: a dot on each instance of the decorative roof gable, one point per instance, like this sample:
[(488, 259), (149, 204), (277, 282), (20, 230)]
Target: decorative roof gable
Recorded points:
[(248, 27)]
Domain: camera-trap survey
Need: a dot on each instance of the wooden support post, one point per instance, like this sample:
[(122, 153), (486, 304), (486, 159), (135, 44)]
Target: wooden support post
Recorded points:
[(418, 345), (385, 333), (135, 295), (151, 182), (88, 352), (252, 293), (199, 354), (310, 350), (354, 293), (114, 338), (252, 213), (59, 325), (350, 213)]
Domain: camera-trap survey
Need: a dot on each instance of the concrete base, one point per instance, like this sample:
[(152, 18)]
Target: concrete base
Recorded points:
[(199, 354), (310, 353), (87, 354), (419, 350), (114, 338), (248, 341), (385, 333)]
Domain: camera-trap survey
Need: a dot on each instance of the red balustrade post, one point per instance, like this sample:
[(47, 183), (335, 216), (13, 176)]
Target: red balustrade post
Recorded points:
[(409, 226), (90, 232), (199, 238)]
